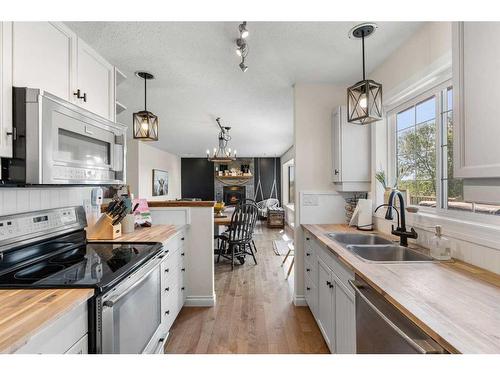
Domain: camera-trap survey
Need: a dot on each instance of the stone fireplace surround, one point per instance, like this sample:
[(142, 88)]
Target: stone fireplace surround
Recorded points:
[(247, 184)]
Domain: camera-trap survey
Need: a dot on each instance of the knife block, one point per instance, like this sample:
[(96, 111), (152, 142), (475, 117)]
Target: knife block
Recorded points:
[(104, 229)]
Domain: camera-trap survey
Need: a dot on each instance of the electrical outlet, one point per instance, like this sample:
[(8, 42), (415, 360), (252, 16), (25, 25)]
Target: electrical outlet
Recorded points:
[(310, 200)]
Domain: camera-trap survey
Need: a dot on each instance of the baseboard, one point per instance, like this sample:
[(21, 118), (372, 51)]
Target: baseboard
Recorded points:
[(200, 301), (299, 300)]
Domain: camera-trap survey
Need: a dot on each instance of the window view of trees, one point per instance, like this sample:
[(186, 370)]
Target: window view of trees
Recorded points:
[(422, 141)]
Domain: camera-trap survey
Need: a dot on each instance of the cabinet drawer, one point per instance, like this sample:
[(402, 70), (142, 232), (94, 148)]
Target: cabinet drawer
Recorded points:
[(61, 335), (175, 243), (342, 272), (81, 347), (309, 248), (311, 270), (311, 295)]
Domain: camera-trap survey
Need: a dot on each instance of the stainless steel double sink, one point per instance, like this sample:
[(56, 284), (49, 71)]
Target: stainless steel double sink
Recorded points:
[(373, 248)]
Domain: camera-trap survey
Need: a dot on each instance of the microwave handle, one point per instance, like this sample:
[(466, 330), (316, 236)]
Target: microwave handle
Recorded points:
[(119, 153)]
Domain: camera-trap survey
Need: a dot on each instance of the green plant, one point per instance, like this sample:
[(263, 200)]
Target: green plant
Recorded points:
[(380, 176)]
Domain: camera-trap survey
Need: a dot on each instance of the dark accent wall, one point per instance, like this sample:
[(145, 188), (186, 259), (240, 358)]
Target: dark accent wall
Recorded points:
[(266, 168), (197, 178)]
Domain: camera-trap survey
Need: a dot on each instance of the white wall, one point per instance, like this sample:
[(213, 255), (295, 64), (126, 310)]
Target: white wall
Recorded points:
[(313, 107), (142, 158)]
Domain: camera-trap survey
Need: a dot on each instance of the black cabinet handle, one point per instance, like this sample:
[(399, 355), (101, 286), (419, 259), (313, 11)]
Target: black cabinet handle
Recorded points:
[(182, 288), (328, 283), (308, 269), (308, 288), (307, 238), (182, 254), (182, 239), (167, 289), (308, 254), (79, 95), (167, 312), (183, 269), (167, 269)]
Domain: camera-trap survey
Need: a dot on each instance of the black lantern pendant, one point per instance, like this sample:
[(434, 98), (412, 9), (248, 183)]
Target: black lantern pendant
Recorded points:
[(364, 99), (145, 123)]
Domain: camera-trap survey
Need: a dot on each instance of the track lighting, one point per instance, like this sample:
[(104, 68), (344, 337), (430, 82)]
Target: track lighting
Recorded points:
[(243, 29), (242, 46), (243, 67)]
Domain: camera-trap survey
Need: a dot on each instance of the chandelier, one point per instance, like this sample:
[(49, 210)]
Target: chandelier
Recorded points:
[(222, 154)]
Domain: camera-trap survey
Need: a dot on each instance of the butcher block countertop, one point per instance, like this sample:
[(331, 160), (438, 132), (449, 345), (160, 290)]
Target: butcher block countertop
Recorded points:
[(455, 303), (156, 233), (181, 203), (25, 312)]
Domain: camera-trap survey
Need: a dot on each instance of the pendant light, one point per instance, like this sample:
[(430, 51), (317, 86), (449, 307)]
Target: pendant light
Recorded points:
[(222, 154), (145, 122), (364, 98)]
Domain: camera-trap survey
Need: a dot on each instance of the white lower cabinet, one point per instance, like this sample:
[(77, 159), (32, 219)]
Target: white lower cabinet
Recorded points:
[(329, 298), (173, 280), (65, 335), (326, 305)]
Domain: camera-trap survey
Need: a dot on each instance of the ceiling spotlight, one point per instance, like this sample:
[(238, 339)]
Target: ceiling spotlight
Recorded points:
[(243, 29), (243, 67), (241, 47)]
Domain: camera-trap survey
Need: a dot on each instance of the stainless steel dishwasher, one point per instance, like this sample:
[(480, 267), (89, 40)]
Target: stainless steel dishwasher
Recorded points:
[(382, 329)]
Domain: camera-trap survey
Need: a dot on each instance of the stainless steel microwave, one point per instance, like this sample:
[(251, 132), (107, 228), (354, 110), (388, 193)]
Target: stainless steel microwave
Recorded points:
[(57, 142)]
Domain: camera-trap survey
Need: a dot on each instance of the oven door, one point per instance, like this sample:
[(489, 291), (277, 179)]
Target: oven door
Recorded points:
[(79, 147), (131, 315)]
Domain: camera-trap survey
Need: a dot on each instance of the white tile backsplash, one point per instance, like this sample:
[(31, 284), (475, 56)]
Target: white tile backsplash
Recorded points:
[(17, 200)]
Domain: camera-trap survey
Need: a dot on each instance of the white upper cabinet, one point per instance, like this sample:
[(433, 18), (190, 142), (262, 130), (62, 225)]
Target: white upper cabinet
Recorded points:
[(49, 56), (351, 153), (476, 63), (95, 80), (44, 57), (6, 89)]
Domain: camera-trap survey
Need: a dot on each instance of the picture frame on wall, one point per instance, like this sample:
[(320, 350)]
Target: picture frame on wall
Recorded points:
[(160, 183)]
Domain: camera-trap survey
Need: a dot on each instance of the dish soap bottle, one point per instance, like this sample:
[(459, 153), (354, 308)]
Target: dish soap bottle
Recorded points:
[(440, 246)]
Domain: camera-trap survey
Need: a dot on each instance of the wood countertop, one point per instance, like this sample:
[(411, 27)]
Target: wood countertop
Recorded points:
[(156, 233), (24, 312), (455, 303), (181, 203)]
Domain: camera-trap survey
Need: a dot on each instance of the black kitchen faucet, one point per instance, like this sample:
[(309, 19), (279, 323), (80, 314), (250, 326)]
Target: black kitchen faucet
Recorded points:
[(400, 230)]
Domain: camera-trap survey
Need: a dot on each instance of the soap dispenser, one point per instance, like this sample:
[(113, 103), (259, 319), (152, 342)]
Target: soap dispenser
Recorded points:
[(440, 245)]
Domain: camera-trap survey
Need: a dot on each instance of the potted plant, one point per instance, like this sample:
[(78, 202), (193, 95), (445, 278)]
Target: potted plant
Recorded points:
[(382, 178)]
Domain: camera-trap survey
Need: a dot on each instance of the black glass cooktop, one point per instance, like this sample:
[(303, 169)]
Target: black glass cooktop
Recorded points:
[(64, 263)]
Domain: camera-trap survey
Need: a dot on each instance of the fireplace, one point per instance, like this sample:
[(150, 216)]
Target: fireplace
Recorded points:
[(233, 194)]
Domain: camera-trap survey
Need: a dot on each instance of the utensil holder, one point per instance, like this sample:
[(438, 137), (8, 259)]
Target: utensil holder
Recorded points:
[(104, 229), (128, 224)]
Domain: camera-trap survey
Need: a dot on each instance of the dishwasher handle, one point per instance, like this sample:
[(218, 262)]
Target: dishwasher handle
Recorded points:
[(431, 349)]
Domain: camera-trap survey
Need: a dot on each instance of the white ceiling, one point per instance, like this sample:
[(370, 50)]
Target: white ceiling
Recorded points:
[(198, 78)]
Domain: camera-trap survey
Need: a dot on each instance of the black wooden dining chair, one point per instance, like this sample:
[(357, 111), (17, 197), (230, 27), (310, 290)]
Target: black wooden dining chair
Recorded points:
[(237, 241), (252, 201)]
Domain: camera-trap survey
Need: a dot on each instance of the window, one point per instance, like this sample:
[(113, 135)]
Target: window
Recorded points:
[(291, 184), (423, 139)]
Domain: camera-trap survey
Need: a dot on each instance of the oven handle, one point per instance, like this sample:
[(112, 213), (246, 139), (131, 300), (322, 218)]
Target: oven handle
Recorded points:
[(357, 288), (113, 300)]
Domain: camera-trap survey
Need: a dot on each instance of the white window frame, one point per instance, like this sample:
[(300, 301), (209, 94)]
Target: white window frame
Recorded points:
[(428, 216)]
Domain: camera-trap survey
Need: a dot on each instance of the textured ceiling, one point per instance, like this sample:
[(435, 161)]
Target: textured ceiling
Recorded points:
[(198, 78)]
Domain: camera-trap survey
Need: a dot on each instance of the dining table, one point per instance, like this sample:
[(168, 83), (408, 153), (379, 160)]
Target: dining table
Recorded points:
[(223, 219)]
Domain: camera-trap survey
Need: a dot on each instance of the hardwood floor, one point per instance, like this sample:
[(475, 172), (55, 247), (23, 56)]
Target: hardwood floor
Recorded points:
[(254, 312)]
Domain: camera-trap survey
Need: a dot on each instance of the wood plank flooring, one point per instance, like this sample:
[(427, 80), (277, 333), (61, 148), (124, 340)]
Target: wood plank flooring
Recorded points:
[(254, 312)]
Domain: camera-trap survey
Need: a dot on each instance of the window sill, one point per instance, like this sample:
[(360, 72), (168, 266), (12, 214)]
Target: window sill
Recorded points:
[(472, 231)]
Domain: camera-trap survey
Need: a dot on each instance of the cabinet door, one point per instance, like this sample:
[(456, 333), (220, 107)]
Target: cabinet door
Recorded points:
[(337, 145), (6, 90), (44, 57), (326, 310), (345, 319), (95, 80), (476, 60)]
